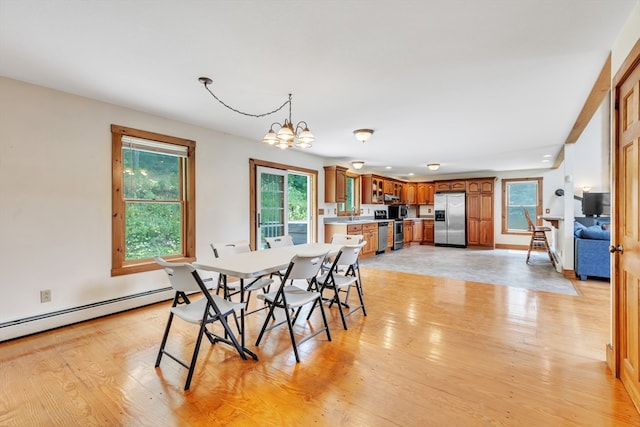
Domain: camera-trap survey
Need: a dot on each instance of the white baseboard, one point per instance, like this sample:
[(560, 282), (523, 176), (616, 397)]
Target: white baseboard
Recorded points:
[(36, 324)]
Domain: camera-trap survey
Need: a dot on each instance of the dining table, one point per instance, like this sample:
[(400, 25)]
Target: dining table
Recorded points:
[(250, 265)]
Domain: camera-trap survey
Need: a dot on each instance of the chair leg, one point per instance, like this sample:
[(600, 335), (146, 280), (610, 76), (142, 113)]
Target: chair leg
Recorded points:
[(194, 358), (337, 297), (530, 248), (546, 243), (326, 324), (164, 339), (359, 289)]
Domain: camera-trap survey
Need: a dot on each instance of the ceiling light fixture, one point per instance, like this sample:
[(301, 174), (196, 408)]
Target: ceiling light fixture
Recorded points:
[(358, 164), (363, 135), (286, 136), (433, 166)]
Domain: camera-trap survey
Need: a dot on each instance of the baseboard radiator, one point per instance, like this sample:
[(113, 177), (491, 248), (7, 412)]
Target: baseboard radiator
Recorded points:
[(44, 322)]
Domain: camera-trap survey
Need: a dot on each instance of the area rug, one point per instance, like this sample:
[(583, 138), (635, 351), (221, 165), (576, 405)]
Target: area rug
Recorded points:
[(497, 267)]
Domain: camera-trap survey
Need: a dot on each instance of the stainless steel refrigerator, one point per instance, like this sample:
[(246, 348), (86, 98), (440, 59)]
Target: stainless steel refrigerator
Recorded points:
[(450, 219)]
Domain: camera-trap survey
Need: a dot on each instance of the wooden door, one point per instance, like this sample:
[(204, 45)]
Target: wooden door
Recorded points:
[(626, 216)]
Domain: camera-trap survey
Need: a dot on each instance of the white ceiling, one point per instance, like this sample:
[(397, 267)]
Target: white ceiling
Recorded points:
[(476, 85)]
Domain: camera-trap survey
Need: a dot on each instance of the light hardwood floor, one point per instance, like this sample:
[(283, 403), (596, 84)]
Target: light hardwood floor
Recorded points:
[(431, 352)]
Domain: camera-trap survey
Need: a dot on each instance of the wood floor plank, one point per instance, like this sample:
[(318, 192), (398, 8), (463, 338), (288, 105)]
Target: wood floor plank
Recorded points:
[(431, 352)]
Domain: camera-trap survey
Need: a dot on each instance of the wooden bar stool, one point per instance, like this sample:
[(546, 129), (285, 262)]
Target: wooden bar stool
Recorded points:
[(538, 238)]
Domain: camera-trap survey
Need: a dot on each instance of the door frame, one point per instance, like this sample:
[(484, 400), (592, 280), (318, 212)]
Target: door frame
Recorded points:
[(613, 349), (253, 194)]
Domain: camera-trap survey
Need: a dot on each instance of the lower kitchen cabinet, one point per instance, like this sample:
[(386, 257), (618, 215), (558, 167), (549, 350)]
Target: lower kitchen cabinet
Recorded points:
[(331, 229), (408, 232), (427, 232), (417, 231), (370, 232)]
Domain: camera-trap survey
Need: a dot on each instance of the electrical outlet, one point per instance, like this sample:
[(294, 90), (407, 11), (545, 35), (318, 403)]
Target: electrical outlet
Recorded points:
[(45, 295), (547, 210)]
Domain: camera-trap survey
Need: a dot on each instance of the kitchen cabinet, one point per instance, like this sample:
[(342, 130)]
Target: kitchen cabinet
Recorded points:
[(370, 232), (426, 190), (390, 236), (431, 191), (340, 228), (409, 196), (454, 185), (427, 232), (408, 232), (335, 184), (422, 193), (372, 189), (480, 218), (417, 231), (388, 187), (398, 191)]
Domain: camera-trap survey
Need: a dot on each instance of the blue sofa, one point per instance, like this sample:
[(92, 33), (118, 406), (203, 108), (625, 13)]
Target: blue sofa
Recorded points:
[(591, 251)]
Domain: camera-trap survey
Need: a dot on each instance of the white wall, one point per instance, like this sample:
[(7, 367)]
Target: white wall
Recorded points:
[(627, 38), (55, 191)]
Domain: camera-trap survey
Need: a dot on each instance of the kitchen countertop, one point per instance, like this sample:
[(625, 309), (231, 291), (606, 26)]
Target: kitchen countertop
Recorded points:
[(357, 220), (366, 220)]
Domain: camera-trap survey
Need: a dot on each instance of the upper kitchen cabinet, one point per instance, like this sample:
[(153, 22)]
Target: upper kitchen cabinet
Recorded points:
[(454, 185), (426, 190), (398, 191), (372, 189), (409, 195), (388, 186), (335, 184)]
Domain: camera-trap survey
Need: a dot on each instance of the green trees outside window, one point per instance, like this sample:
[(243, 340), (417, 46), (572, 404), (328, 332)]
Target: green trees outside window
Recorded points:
[(153, 205), (519, 194)]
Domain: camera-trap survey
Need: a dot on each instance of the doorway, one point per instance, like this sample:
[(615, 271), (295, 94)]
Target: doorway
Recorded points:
[(624, 354), (283, 201)]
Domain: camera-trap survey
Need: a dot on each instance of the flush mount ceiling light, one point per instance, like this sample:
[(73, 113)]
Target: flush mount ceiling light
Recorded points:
[(358, 164), (363, 135), (433, 166), (286, 136)]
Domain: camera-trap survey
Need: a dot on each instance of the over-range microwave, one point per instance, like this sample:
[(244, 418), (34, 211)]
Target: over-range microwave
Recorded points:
[(398, 211)]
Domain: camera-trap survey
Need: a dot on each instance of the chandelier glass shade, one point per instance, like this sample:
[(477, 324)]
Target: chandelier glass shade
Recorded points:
[(357, 164), (282, 135)]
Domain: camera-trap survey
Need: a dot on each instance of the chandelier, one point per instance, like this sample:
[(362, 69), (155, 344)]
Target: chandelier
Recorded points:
[(282, 135)]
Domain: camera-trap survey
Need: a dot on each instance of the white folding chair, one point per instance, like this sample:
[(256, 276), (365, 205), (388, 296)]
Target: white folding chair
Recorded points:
[(206, 310), (291, 298), (339, 281), (343, 240), (276, 242), (233, 286)]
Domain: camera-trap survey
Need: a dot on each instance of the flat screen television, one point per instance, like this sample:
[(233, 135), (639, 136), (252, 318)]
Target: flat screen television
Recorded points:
[(596, 204)]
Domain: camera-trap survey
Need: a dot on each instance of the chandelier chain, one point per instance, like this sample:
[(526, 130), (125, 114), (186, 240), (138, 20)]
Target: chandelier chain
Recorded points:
[(288, 101)]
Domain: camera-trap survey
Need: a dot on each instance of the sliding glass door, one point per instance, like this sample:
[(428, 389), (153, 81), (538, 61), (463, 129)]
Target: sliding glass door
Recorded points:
[(282, 205)]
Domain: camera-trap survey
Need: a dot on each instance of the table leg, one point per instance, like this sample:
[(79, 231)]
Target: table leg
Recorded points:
[(242, 314)]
